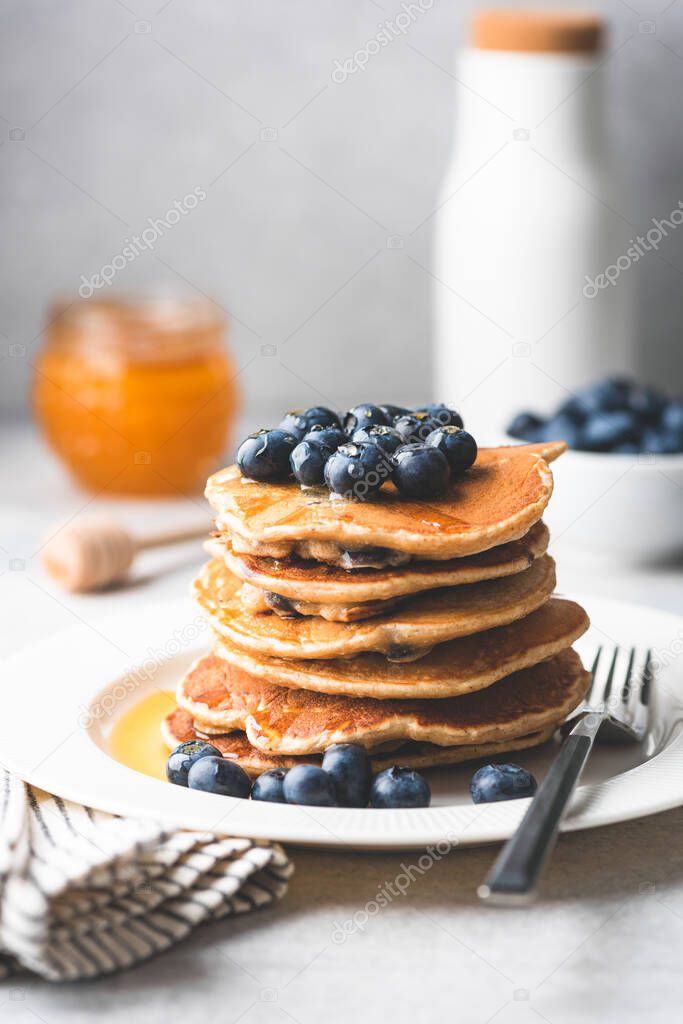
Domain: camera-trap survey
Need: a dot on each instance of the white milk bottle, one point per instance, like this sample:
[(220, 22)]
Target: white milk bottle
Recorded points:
[(528, 221)]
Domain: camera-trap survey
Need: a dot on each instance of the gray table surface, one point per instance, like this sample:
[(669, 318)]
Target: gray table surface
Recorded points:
[(603, 943)]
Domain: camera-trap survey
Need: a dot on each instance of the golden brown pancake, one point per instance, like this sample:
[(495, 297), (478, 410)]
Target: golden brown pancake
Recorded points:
[(178, 727), (287, 721), (498, 500), (309, 581), (450, 669), (257, 601), (403, 634)]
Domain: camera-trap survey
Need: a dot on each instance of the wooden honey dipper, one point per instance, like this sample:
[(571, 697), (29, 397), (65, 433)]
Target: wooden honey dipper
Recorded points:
[(90, 554)]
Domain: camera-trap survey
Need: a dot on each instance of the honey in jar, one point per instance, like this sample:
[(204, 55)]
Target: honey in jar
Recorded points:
[(136, 397)]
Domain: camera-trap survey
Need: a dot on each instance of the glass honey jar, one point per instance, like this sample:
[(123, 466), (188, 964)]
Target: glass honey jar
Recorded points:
[(136, 397)]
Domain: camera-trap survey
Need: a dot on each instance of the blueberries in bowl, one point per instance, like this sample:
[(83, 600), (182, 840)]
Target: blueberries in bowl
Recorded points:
[(299, 421), (495, 782), (385, 438), (306, 784), (349, 766), (611, 415), (457, 445), (420, 471), (364, 415), (218, 775), (264, 456), (269, 786), (356, 470), (399, 787), (308, 462), (183, 757)]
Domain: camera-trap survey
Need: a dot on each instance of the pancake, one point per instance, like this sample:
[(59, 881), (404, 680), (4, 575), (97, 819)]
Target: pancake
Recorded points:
[(257, 601), (450, 669), (287, 721), (178, 727), (403, 634), (309, 581), (498, 500)]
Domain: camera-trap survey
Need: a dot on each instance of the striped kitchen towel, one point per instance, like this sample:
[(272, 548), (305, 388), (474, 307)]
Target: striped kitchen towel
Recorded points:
[(84, 893)]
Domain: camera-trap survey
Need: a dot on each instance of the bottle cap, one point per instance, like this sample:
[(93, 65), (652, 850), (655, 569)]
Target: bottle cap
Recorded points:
[(537, 31)]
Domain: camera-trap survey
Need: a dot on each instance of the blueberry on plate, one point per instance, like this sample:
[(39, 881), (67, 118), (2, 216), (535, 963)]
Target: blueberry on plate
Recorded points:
[(218, 775), (561, 428), (646, 403), (331, 437), (357, 470), (661, 442), (308, 463), (602, 431), (183, 757), (606, 395), (496, 782), (525, 426), (385, 438), (270, 786), (457, 445), (306, 784), (392, 411), (672, 417), (364, 415), (264, 456), (574, 409), (420, 471), (349, 766), (444, 416), (399, 787), (415, 426), (300, 421)]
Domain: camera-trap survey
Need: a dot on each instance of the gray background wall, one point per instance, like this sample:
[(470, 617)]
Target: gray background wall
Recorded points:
[(111, 110)]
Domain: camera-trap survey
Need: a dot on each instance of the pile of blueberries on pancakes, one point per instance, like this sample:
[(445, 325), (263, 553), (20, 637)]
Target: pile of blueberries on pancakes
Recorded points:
[(421, 451), (613, 415)]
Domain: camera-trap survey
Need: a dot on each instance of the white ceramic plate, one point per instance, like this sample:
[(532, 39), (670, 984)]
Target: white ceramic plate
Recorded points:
[(61, 697)]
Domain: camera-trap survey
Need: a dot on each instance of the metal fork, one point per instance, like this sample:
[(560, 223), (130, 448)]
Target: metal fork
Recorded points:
[(618, 708)]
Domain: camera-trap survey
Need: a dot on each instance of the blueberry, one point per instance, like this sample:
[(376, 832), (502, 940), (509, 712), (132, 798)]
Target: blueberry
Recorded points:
[(661, 442), (300, 421), (399, 787), (364, 415), (457, 445), (420, 471), (602, 431), (415, 426), (349, 766), (561, 428), (525, 426), (184, 756), (385, 438), (392, 411), (264, 456), (218, 775), (646, 403), (357, 470), (672, 417), (605, 395), (443, 415), (331, 437), (308, 463), (270, 786), (496, 782), (306, 784)]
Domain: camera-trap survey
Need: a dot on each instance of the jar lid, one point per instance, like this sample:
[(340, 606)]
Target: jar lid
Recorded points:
[(536, 31)]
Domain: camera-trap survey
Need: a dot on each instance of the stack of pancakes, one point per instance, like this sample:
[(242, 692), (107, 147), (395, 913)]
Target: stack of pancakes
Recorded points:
[(425, 631)]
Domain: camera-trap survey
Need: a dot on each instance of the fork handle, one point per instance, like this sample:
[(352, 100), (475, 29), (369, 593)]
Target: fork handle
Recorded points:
[(513, 879)]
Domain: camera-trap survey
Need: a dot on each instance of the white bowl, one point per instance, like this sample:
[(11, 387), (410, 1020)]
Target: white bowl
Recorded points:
[(620, 507)]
